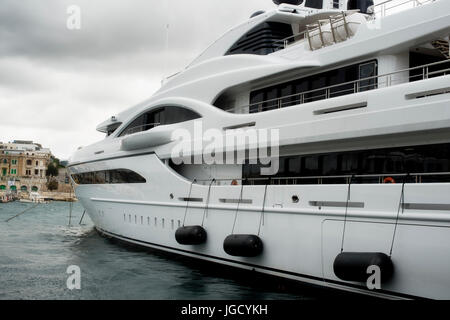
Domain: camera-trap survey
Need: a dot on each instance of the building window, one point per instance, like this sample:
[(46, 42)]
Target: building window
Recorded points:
[(14, 162), (28, 162), (37, 163), (34, 188), (13, 171), (36, 172)]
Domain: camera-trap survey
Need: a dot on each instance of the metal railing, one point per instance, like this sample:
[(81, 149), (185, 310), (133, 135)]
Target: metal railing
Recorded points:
[(380, 10), (418, 177), (316, 30), (389, 7), (351, 87)]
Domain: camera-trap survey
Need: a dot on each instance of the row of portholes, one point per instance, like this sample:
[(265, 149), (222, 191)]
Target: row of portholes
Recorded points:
[(140, 220)]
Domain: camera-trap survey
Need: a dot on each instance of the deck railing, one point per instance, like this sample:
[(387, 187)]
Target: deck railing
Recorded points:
[(345, 179), (389, 7), (374, 82), (380, 10)]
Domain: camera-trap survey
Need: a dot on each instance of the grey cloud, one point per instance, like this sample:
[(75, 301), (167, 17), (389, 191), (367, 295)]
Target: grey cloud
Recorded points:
[(56, 85)]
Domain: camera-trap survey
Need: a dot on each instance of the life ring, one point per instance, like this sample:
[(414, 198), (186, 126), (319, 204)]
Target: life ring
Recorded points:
[(388, 180), (234, 182)]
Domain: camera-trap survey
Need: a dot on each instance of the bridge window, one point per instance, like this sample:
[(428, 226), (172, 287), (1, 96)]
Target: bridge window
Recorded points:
[(160, 116)]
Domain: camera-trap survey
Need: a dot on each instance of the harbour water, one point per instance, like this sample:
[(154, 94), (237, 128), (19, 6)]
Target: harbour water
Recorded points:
[(37, 247)]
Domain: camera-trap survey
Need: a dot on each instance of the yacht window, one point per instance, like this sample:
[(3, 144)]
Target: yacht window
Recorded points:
[(426, 159), (256, 99), (108, 177), (313, 88), (317, 4), (262, 39), (367, 70), (362, 5), (160, 116)]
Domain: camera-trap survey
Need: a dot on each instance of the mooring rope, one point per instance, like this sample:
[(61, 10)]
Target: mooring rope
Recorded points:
[(346, 210), (237, 208), (261, 219), (27, 209), (82, 216), (207, 200), (400, 206), (187, 203)]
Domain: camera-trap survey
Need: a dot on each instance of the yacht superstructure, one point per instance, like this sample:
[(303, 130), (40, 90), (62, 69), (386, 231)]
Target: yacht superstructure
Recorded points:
[(338, 113)]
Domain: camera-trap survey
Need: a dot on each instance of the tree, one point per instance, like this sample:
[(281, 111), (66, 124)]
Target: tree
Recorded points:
[(52, 185), (52, 170)]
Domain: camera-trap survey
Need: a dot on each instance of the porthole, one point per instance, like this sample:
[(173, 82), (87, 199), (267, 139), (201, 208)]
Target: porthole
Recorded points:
[(295, 199)]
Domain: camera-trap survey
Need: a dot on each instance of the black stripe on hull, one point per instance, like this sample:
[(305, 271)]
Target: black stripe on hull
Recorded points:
[(163, 248)]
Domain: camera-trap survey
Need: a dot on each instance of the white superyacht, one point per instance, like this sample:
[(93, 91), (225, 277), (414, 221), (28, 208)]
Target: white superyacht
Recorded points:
[(349, 102)]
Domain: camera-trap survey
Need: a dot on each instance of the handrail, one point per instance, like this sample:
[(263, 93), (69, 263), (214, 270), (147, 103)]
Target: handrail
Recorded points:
[(356, 85), (383, 6), (346, 176)]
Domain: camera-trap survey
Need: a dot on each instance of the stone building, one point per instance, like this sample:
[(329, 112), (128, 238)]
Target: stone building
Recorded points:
[(23, 168)]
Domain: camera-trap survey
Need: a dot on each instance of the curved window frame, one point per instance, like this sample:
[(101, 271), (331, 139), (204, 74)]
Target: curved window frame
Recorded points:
[(112, 176), (154, 121)]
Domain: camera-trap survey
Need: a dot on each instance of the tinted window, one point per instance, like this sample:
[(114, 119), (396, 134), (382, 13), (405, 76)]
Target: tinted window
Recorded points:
[(367, 70), (108, 177), (309, 89), (317, 4), (401, 160), (256, 99), (262, 39), (161, 116)]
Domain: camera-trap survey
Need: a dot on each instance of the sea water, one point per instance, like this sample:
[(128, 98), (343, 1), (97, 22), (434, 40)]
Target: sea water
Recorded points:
[(38, 246)]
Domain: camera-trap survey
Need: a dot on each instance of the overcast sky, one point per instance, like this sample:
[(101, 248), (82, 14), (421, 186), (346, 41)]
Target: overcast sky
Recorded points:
[(57, 84)]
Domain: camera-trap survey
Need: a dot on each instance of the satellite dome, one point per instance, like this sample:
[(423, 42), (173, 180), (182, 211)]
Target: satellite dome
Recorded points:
[(293, 2), (257, 13)]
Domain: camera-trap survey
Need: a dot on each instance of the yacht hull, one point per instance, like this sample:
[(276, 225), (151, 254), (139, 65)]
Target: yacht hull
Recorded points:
[(301, 239)]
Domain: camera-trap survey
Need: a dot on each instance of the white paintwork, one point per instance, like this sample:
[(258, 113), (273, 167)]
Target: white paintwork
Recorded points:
[(300, 239)]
